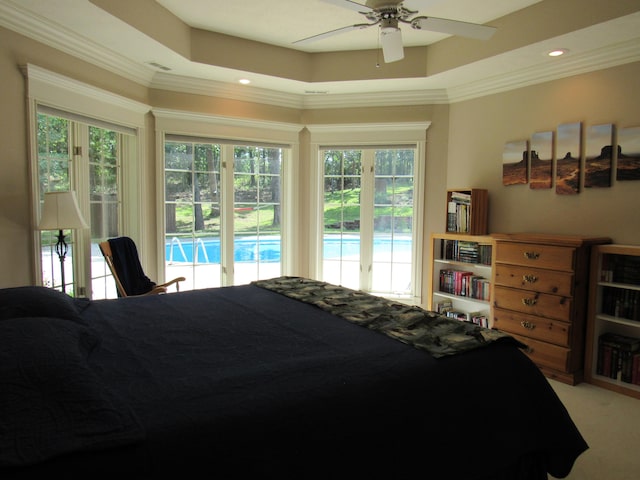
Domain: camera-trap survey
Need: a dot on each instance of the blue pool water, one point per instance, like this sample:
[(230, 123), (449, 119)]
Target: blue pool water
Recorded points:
[(267, 249)]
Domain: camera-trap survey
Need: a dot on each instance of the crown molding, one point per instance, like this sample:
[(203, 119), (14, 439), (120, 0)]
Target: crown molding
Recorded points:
[(606, 57), (215, 88), (369, 127), (19, 20), (22, 21), (213, 119), (36, 73), (199, 86)]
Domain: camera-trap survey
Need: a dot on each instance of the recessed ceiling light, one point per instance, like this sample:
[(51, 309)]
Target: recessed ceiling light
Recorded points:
[(244, 81), (557, 52)]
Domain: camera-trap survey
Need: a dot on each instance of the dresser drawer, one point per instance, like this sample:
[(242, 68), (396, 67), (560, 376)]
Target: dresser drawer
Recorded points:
[(529, 278), (546, 354), (536, 255), (545, 329), (533, 303)]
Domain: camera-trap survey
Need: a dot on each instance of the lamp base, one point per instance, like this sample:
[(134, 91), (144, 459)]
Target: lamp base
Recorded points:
[(61, 249)]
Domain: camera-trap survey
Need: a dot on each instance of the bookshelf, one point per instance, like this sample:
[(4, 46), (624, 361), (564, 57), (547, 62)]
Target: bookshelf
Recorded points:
[(461, 276), (467, 211), (613, 324)]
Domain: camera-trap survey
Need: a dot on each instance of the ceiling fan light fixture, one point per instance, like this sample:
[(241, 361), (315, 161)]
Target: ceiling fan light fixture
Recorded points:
[(391, 40)]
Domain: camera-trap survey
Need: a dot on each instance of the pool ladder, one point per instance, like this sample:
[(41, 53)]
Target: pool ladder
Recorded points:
[(199, 242)]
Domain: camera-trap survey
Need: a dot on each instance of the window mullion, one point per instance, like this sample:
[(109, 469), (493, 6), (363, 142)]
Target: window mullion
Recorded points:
[(226, 214), (366, 218), (79, 166)]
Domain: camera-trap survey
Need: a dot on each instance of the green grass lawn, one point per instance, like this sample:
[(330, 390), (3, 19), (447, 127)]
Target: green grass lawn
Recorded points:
[(339, 207)]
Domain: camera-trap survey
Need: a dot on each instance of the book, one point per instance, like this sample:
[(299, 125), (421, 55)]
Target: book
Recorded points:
[(616, 356), (635, 369), (444, 306), (452, 219)]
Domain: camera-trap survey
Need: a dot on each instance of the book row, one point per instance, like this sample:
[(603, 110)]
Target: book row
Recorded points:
[(620, 269), (464, 284), (619, 357), (445, 307), (465, 251), (458, 217), (622, 303)]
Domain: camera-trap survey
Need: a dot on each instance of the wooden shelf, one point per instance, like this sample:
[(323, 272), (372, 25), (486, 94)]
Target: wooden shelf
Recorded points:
[(470, 207), (439, 262)]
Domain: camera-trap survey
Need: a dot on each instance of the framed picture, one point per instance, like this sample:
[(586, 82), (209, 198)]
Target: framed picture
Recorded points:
[(628, 154), (541, 159), (568, 162), (515, 162), (598, 156)]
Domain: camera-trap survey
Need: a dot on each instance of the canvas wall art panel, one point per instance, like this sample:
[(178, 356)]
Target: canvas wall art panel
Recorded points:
[(568, 162), (541, 160), (628, 166), (515, 162), (598, 156)]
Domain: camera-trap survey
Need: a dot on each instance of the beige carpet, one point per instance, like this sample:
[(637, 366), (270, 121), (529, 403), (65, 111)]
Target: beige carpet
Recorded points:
[(610, 423)]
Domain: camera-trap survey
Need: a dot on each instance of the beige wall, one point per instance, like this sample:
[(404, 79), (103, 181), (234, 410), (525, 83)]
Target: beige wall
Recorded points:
[(479, 128), (464, 147)]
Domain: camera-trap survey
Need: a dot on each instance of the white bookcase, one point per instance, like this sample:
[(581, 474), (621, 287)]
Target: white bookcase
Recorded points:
[(614, 309)]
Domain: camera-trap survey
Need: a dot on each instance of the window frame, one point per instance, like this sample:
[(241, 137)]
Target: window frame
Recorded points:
[(368, 136), (83, 101), (233, 131)]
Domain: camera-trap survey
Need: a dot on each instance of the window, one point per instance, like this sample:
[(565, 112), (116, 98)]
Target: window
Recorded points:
[(192, 212), (257, 213), (63, 165), (84, 139), (223, 211), (368, 219), (368, 201)]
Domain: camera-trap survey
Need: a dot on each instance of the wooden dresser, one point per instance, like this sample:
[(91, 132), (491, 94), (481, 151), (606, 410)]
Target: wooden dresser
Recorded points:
[(540, 297)]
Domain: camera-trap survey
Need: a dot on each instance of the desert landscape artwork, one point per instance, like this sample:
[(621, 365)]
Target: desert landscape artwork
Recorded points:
[(541, 160), (628, 167), (598, 156), (515, 159), (568, 163)]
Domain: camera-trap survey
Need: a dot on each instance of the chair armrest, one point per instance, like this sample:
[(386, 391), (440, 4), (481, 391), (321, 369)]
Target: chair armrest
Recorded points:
[(171, 282)]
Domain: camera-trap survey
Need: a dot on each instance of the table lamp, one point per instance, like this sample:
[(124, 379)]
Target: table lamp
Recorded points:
[(61, 212)]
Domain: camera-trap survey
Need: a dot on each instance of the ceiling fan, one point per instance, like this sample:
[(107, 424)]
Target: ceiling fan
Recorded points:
[(389, 15)]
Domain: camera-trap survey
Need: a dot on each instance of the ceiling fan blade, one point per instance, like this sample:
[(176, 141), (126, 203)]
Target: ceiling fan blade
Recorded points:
[(331, 33), (391, 40), (453, 27), (355, 6)]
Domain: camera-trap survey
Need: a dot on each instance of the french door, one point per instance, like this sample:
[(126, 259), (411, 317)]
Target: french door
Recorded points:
[(368, 235), (223, 218)]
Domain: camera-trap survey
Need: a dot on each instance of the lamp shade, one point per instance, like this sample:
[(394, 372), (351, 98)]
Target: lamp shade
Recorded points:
[(60, 212)]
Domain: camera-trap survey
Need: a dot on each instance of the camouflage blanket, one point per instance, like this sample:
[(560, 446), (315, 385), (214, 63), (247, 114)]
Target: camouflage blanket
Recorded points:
[(424, 330)]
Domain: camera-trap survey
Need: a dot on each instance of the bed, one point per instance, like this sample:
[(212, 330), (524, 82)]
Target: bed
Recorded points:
[(263, 381)]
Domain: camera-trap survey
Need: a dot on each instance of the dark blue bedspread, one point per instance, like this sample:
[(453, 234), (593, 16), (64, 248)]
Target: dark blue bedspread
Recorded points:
[(244, 382)]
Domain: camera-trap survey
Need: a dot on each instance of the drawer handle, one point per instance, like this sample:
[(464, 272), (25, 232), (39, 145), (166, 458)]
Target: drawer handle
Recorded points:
[(529, 302), (528, 325), (529, 278), (531, 255)]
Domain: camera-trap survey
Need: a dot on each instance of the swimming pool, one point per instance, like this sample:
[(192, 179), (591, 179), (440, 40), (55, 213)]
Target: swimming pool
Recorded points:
[(267, 249)]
